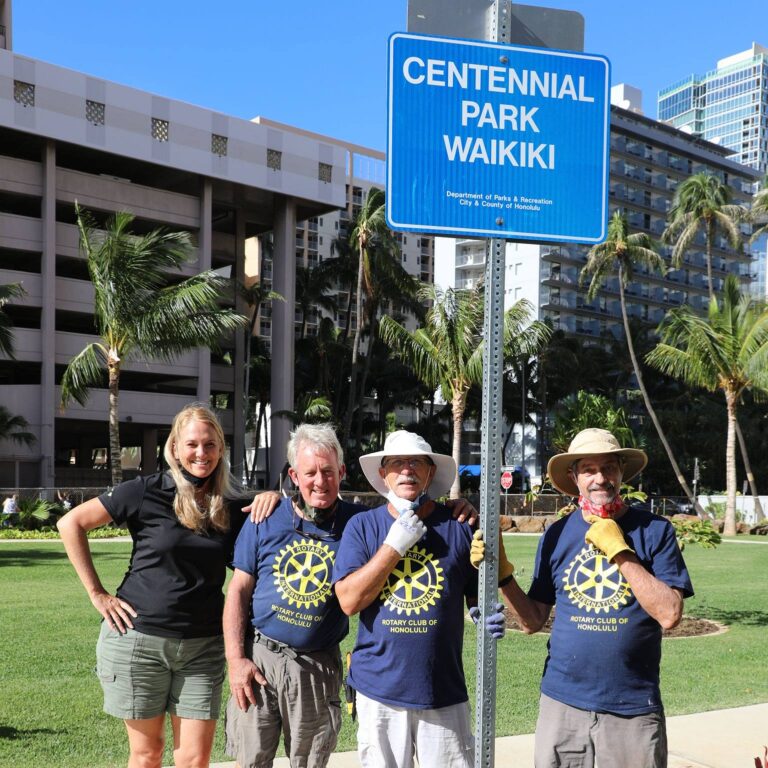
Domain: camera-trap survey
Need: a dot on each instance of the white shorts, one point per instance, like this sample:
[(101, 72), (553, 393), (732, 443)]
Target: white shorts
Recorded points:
[(390, 737)]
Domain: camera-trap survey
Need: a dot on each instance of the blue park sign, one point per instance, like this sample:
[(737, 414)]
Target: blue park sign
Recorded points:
[(494, 140)]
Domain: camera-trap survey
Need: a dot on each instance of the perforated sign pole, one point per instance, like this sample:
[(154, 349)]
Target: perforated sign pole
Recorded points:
[(493, 362), (532, 26)]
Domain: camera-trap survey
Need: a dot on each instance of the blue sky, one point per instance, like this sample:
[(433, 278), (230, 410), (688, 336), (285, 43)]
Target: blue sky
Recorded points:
[(322, 67)]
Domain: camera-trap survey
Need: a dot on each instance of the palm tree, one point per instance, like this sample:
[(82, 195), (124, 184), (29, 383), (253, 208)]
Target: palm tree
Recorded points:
[(370, 225), (312, 286), (311, 408), (138, 310), (390, 285), (14, 428), (259, 391), (585, 409), (759, 213), (317, 356), (702, 201), (255, 295), (447, 351), (8, 291), (726, 351), (343, 267), (621, 252)]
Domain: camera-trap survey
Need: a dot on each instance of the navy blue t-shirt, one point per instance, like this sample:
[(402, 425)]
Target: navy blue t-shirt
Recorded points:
[(409, 640), (175, 576), (605, 650), (292, 600)]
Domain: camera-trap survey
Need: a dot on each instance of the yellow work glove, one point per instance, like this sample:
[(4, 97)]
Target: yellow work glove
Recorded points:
[(477, 549), (477, 555), (606, 535)]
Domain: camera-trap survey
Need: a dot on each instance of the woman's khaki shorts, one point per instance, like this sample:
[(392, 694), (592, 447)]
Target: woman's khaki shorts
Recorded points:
[(144, 676)]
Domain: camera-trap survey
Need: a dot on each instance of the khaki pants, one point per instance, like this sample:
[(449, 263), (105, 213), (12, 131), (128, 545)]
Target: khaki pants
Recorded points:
[(567, 737), (301, 701)]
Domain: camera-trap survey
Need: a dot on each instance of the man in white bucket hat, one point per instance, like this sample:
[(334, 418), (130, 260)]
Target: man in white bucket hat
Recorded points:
[(616, 578), (404, 566)]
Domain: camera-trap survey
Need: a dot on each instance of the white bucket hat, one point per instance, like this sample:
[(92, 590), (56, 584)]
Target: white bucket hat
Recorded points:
[(592, 442), (403, 443)]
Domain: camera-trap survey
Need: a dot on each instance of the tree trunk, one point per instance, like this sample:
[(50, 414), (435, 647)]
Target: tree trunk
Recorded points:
[(256, 441), (372, 335), (729, 528), (343, 340), (115, 459), (647, 400), (267, 466), (760, 515), (355, 350), (710, 279), (458, 404)]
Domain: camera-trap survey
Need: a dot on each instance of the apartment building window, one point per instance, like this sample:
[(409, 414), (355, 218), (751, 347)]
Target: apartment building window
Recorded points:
[(160, 129), (325, 172), (24, 93), (219, 145), (274, 159), (94, 112)]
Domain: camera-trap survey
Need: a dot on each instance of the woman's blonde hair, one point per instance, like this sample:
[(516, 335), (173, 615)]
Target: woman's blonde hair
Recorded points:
[(222, 484)]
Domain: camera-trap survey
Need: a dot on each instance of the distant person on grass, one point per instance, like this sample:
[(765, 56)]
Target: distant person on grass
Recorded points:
[(616, 578), (10, 508), (161, 648)]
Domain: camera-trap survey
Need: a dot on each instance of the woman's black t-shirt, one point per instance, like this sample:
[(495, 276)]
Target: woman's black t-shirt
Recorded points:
[(175, 576)]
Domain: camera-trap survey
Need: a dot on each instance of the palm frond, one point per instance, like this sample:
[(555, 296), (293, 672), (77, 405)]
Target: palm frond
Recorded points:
[(87, 369)]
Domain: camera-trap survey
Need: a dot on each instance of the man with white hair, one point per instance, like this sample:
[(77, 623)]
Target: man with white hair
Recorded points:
[(282, 622), (404, 566), (616, 578)]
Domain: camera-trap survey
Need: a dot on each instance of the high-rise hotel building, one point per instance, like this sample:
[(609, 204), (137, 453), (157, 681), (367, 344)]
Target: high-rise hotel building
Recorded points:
[(727, 106)]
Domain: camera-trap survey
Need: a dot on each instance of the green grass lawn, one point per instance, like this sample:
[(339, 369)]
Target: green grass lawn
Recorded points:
[(50, 705)]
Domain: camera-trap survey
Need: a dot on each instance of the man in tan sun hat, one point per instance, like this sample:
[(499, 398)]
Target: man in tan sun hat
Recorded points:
[(404, 566), (616, 578)]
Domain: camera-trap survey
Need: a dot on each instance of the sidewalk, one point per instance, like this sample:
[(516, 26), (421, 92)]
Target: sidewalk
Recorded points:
[(723, 738)]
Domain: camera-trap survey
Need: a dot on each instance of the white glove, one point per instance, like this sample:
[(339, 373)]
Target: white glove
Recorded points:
[(405, 532)]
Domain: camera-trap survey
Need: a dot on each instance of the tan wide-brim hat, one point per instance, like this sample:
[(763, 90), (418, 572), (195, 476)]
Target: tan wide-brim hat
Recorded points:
[(403, 443), (592, 442)]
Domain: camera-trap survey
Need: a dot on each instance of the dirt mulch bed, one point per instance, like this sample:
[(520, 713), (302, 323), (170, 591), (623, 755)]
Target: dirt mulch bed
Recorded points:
[(688, 627)]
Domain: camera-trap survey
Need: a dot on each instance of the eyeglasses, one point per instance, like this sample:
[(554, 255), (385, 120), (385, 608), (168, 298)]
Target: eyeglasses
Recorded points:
[(298, 526), (411, 463)]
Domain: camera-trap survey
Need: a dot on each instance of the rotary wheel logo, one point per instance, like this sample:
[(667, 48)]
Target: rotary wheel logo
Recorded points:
[(303, 573), (415, 584), (595, 584)]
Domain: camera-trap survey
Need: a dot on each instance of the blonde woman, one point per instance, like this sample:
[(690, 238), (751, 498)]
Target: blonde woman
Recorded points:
[(160, 649)]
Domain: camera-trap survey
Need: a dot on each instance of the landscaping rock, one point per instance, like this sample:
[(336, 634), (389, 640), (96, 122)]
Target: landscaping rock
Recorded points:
[(529, 524), (507, 523)]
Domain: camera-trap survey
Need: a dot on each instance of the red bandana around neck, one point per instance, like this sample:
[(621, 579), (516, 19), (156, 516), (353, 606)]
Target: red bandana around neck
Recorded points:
[(602, 510)]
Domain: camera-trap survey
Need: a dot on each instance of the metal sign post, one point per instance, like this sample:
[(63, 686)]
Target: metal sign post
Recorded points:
[(451, 179), (490, 460)]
